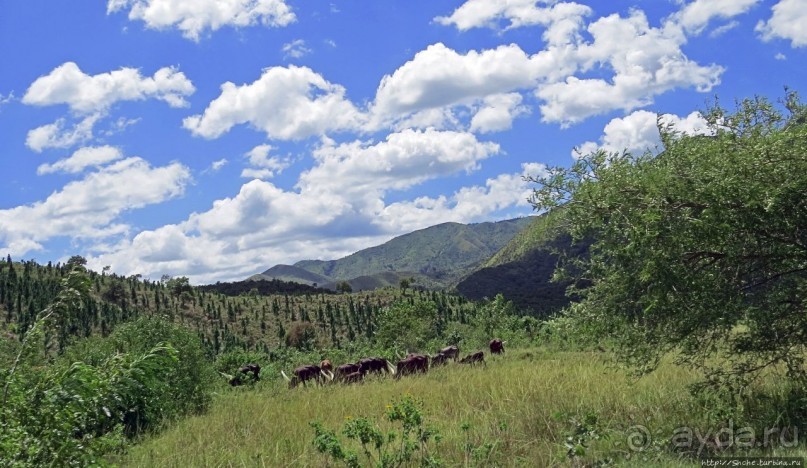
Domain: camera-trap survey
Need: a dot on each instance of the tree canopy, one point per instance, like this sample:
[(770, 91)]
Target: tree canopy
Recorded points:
[(700, 250)]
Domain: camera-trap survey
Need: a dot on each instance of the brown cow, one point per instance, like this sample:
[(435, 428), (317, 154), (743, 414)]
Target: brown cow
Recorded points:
[(353, 377), (452, 352), (439, 359), (326, 365), (345, 369), (478, 356), (303, 374), (376, 364), (497, 346), (254, 368), (411, 364)]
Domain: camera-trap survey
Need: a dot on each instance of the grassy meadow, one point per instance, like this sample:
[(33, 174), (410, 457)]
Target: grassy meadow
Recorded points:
[(518, 410)]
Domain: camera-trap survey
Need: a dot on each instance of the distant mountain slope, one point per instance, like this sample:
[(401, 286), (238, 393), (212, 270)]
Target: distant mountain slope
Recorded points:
[(522, 270), (440, 255), (291, 273)]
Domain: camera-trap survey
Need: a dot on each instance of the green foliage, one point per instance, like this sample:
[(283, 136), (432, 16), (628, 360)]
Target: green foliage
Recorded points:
[(100, 392), (344, 287), (394, 448), (407, 327), (584, 430), (302, 335), (71, 415), (699, 250), (189, 380)]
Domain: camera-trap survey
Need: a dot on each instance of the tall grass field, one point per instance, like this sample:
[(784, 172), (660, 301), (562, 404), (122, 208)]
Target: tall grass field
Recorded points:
[(526, 408)]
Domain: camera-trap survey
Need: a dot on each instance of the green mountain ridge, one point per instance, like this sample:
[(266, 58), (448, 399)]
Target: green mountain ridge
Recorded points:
[(436, 257), (522, 270)]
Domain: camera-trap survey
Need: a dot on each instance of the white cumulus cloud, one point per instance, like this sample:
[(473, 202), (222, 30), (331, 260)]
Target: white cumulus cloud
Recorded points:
[(646, 61), (67, 84), (264, 166), (787, 22), (196, 17), (638, 132), (439, 76), (287, 103), (561, 19), (498, 112), (696, 15), (91, 156), (89, 208), (56, 135)]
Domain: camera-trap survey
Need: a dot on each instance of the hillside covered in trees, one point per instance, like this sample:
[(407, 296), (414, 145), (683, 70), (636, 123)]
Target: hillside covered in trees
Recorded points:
[(435, 257)]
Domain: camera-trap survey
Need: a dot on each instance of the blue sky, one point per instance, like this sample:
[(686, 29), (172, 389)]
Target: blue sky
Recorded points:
[(216, 138)]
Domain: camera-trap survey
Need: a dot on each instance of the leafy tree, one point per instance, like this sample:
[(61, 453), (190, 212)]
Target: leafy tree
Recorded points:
[(405, 326), (700, 250), (77, 260), (344, 287), (114, 293), (496, 318), (180, 287), (405, 283), (302, 335)]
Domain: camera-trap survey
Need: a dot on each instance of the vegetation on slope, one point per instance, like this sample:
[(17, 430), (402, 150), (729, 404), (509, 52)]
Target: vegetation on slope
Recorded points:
[(438, 255), (522, 271), (700, 251)]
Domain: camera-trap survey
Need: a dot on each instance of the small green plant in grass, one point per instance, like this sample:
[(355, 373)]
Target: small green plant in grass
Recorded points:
[(584, 431), (479, 454), (398, 447)]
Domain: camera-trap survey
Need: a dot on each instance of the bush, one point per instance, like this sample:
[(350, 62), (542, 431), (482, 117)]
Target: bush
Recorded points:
[(189, 380), (407, 327), (302, 335)]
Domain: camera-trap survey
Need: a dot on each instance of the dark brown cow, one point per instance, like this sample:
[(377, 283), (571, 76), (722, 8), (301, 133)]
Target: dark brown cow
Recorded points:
[(345, 369), (235, 381), (474, 358), (353, 377), (303, 374), (439, 359), (254, 368), (452, 352), (497, 346), (411, 364), (376, 364)]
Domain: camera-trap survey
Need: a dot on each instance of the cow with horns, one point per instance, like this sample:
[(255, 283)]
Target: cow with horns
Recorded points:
[(411, 364), (303, 374), (474, 358), (326, 365), (497, 346)]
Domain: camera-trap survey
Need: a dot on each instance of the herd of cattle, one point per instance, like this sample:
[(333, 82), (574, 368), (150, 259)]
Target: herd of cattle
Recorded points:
[(355, 372)]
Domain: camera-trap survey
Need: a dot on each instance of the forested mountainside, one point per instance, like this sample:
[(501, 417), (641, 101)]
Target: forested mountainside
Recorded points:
[(435, 257), (522, 270)]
